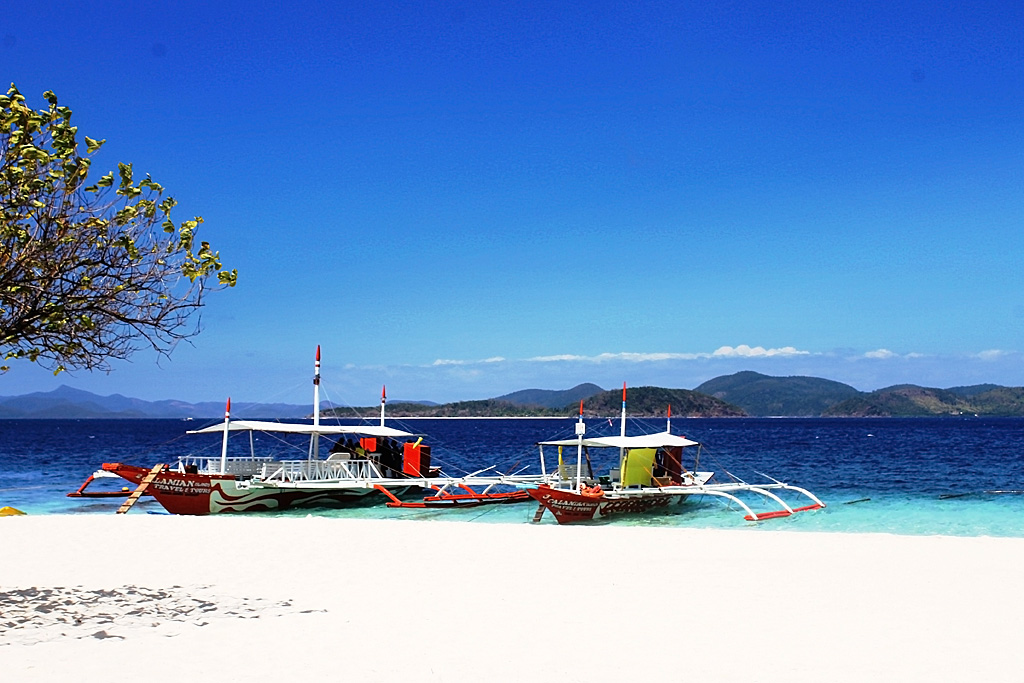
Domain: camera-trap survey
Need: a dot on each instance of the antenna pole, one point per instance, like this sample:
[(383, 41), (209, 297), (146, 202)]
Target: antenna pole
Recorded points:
[(224, 442), (314, 443), (581, 429), (383, 400), (622, 432), (622, 428)]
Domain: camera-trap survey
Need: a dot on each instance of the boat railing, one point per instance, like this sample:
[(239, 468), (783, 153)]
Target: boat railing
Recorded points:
[(241, 466), (319, 470)]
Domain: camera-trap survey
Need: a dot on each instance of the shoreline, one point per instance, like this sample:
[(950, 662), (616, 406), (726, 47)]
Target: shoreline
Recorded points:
[(386, 600)]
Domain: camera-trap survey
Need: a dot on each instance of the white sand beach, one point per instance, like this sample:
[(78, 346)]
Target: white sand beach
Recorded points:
[(161, 598)]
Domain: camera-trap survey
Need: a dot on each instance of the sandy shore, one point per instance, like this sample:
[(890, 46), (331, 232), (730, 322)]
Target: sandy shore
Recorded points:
[(161, 598)]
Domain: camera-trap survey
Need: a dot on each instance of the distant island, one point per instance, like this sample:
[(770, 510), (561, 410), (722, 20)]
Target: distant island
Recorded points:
[(643, 402), (765, 396), (743, 394)]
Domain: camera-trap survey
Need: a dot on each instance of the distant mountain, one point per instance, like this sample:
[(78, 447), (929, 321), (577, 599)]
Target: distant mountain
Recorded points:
[(654, 402), (549, 398), (643, 402), (67, 402), (490, 407), (974, 389), (743, 393), (763, 395), (908, 400)]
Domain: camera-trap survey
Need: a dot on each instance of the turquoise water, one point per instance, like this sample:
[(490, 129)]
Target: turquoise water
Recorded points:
[(902, 476)]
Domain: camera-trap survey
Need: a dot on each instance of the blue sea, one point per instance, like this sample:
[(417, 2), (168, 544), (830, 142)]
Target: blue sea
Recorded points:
[(905, 476)]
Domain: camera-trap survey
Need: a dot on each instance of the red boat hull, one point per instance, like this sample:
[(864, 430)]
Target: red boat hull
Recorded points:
[(202, 494), (568, 507)]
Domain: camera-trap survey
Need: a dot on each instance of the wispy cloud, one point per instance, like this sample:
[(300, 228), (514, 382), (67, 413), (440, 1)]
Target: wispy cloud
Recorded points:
[(992, 354), (622, 356), (741, 351), (744, 351), (886, 354), (448, 361)]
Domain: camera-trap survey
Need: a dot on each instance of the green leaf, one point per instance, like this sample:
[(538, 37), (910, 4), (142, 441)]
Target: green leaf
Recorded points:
[(93, 145), (125, 171)]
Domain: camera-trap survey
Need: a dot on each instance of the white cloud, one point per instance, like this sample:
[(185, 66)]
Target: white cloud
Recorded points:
[(886, 354), (744, 351), (741, 351), (992, 354), (450, 361), (622, 356), (649, 357)]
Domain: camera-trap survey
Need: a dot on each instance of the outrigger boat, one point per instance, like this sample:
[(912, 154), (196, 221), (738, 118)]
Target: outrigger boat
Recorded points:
[(364, 461), (651, 476)]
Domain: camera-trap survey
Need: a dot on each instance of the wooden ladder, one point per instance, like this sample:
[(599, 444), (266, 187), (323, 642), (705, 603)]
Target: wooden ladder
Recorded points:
[(143, 485), (540, 513)]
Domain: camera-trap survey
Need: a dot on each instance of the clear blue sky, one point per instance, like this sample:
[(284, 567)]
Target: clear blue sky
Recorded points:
[(462, 200)]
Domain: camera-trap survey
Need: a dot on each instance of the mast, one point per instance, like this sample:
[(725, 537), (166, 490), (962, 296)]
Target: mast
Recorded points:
[(668, 422), (622, 432), (314, 442), (224, 443), (622, 428), (581, 429), (383, 400)]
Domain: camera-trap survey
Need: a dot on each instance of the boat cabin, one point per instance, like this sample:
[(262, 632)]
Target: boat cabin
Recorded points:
[(644, 461)]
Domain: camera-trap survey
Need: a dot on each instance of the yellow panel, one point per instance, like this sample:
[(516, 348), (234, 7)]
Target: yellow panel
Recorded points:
[(638, 467)]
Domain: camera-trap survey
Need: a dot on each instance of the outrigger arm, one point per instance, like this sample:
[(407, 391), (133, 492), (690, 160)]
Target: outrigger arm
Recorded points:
[(807, 493), (733, 498), (769, 494), (752, 516)]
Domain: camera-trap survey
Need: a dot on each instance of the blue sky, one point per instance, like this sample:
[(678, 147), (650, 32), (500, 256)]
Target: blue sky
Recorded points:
[(465, 199)]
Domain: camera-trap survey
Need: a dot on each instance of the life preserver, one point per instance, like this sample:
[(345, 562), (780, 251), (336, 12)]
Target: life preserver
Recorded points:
[(595, 492)]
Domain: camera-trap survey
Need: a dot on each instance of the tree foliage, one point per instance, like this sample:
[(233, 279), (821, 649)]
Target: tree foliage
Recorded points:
[(89, 272)]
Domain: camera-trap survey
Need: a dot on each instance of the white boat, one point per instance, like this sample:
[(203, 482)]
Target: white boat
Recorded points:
[(651, 476), (366, 461)]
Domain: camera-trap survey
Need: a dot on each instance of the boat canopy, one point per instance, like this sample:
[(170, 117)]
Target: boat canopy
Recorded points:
[(662, 440), (297, 428)]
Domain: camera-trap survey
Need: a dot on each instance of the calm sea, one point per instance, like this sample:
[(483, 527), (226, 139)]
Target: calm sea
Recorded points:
[(905, 476)]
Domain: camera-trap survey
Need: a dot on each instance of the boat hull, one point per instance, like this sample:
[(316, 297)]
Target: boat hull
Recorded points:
[(201, 494), (568, 507)]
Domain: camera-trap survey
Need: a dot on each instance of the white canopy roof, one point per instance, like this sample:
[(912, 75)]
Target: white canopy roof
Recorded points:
[(662, 440), (299, 428)]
